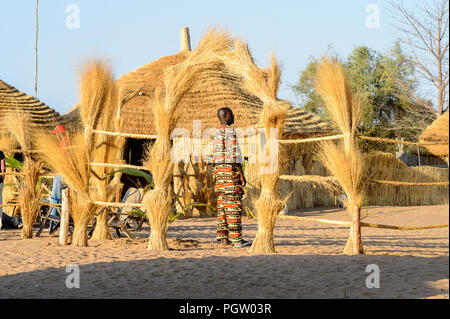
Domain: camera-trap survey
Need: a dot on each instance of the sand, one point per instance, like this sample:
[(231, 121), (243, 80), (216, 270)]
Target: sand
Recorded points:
[(308, 263)]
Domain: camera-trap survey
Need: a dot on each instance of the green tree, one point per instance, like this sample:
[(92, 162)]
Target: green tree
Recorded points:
[(387, 110)]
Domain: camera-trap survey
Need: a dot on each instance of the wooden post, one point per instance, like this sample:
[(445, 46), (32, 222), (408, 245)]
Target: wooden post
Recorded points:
[(64, 229), (356, 230), (418, 155), (185, 39), (36, 50)]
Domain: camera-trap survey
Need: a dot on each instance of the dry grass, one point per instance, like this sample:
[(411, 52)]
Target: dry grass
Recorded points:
[(343, 160), (347, 168), (384, 166), (19, 128), (157, 159), (7, 142), (334, 87), (29, 192), (29, 196), (97, 89), (178, 80), (107, 149), (378, 166), (72, 163), (264, 84)]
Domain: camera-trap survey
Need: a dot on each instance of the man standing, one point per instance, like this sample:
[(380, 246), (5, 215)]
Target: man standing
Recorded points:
[(229, 181)]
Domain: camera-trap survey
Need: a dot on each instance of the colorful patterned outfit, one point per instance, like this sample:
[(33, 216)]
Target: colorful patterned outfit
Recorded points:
[(227, 184)]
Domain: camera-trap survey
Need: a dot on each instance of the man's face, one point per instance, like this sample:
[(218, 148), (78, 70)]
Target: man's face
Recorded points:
[(230, 119)]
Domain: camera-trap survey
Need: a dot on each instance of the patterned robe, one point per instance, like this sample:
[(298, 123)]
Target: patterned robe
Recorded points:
[(227, 184)]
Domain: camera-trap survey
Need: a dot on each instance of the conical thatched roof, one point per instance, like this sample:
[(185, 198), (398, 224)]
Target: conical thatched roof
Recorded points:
[(40, 114), (437, 132), (214, 88)]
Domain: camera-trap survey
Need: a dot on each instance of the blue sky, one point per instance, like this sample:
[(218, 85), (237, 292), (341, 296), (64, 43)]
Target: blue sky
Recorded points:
[(134, 32)]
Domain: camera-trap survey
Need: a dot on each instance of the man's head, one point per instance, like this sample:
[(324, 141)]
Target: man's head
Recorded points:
[(225, 115)]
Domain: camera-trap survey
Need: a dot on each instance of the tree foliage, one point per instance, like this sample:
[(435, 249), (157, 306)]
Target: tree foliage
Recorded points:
[(380, 80)]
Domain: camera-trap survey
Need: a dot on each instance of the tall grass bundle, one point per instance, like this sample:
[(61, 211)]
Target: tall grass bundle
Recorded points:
[(158, 201), (30, 193), (72, 164), (344, 160), (106, 148), (178, 80), (264, 84), (347, 168), (97, 91), (334, 87), (98, 105)]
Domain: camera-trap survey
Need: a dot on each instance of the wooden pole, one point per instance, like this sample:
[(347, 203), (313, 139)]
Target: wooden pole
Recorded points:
[(418, 155), (64, 230), (356, 230), (36, 50)]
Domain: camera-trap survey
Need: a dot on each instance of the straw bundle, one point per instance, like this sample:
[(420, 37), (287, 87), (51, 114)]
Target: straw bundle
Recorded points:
[(72, 163), (343, 160), (264, 84), (178, 80), (107, 148), (18, 125), (30, 196)]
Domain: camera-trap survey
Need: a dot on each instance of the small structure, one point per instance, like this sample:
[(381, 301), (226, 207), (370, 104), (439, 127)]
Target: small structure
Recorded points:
[(434, 151), (437, 132)]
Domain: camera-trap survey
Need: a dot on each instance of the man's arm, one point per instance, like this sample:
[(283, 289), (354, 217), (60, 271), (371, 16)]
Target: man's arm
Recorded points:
[(241, 173), (234, 155)]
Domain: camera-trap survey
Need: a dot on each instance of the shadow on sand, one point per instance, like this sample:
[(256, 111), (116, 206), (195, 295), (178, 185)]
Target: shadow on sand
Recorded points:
[(260, 276)]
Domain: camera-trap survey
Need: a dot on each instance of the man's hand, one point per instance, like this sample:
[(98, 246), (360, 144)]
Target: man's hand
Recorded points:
[(243, 181)]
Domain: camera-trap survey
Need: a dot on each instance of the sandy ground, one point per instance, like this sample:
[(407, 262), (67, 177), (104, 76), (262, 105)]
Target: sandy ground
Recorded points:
[(308, 263)]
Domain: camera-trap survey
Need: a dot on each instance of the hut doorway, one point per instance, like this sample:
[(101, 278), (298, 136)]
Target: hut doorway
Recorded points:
[(133, 154)]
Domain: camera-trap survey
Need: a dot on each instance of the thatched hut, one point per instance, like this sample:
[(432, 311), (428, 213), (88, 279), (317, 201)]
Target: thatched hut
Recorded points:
[(13, 100), (429, 154), (214, 88), (38, 113), (437, 132)]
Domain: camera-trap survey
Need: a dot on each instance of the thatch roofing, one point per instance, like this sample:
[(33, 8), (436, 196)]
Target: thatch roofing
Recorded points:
[(72, 119), (438, 131), (13, 100), (213, 89)]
